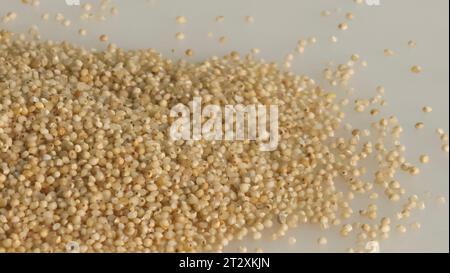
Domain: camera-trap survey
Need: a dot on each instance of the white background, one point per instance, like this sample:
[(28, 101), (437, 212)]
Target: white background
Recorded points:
[(277, 28)]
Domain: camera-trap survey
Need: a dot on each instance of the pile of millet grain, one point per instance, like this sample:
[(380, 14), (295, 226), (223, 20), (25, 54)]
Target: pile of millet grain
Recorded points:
[(87, 163)]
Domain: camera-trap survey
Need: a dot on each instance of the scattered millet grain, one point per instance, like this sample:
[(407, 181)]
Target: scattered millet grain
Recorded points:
[(86, 7), (257, 235), (389, 52), (179, 36), (421, 205), (85, 16), (419, 125), (59, 17), (401, 228), (424, 159), (10, 16), (374, 112), (249, 19), (82, 32), (325, 13), (66, 23), (322, 240), (373, 196), (441, 200), (414, 170), (427, 109), (45, 16), (103, 38), (416, 226), (114, 11), (242, 249), (346, 229), (255, 51), (349, 16), (292, 240), (189, 52), (259, 250), (33, 3), (416, 69), (181, 20), (300, 49), (104, 4), (343, 26), (355, 57), (380, 90)]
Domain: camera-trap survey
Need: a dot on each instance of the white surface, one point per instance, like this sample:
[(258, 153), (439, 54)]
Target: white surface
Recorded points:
[(277, 28)]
